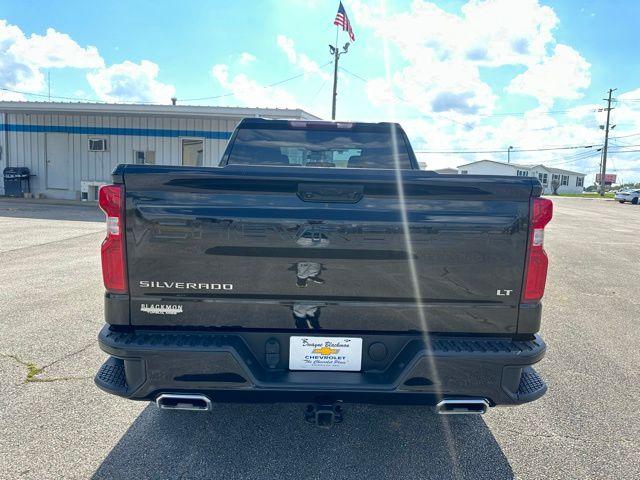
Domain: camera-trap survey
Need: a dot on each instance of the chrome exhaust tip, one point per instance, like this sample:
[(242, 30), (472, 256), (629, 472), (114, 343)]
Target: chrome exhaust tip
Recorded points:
[(183, 401), (463, 406)]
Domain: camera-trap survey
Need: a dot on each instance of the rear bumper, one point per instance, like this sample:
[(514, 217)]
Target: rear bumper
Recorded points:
[(232, 367)]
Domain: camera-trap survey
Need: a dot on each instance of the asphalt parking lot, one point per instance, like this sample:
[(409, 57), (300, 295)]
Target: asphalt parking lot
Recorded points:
[(54, 423)]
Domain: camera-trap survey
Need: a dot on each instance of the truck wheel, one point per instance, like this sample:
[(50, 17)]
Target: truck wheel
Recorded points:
[(635, 200)]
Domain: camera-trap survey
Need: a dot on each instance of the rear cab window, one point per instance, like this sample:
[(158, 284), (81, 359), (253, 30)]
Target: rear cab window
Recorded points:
[(319, 144)]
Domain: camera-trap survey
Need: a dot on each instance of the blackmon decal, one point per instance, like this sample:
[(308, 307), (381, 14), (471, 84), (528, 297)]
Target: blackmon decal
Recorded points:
[(161, 309)]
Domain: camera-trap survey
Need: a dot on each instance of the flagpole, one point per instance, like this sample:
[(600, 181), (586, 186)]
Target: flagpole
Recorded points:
[(340, 21), (336, 55)]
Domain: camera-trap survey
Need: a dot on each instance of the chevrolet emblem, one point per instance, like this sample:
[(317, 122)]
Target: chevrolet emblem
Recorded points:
[(325, 350)]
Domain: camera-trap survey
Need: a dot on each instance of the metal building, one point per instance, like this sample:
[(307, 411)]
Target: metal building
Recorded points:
[(71, 148)]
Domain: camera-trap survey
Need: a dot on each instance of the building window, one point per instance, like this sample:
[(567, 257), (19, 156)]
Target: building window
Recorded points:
[(98, 145), (522, 173), (579, 181), (192, 152), (141, 157), (543, 178), (464, 172), (565, 180), (555, 177)]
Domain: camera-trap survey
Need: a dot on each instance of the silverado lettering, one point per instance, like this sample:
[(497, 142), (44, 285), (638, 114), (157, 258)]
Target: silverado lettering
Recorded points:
[(185, 285)]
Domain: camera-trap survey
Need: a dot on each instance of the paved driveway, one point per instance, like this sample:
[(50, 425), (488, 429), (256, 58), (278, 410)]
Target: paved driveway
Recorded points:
[(54, 423)]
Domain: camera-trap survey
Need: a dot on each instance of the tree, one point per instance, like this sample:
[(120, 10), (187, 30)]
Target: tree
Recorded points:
[(555, 184)]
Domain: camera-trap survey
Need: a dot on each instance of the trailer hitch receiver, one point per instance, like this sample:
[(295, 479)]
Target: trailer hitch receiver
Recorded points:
[(324, 415)]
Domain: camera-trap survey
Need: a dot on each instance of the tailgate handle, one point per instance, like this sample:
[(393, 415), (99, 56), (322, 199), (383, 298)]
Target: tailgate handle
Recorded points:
[(317, 192)]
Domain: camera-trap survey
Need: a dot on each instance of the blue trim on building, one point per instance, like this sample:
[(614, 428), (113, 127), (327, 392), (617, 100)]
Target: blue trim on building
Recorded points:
[(140, 132)]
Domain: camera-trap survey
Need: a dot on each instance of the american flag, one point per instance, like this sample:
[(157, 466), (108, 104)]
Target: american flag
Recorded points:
[(343, 21)]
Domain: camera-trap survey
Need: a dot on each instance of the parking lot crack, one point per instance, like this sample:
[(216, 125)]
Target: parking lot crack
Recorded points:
[(68, 355), (50, 243), (34, 371), (571, 437)]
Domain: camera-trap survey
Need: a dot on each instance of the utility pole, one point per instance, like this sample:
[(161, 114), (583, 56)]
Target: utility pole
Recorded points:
[(335, 51), (336, 56), (603, 172), (49, 83), (509, 153)]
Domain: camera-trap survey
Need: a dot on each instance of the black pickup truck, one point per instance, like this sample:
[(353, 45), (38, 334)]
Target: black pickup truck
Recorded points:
[(319, 265)]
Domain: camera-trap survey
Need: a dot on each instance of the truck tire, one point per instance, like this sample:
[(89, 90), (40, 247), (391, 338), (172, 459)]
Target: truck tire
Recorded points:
[(635, 200)]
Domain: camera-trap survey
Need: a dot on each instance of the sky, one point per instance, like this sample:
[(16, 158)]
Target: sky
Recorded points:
[(459, 76)]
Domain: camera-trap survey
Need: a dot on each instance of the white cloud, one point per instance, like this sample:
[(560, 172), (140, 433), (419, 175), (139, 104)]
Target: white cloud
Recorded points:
[(246, 58), (131, 82), (300, 60), (16, 72), (450, 86), (57, 50), (444, 52), (441, 87), (288, 47), (534, 130), (380, 92), (491, 32), (562, 75), (523, 132), (250, 92), (22, 58)]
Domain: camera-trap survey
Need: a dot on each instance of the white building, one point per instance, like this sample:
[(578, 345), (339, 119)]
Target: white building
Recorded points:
[(570, 182), (446, 171), (71, 148)]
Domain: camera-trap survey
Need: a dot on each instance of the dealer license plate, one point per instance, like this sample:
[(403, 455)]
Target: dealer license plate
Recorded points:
[(325, 353)]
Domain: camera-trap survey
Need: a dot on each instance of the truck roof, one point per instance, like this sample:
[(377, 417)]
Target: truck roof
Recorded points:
[(258, 122)]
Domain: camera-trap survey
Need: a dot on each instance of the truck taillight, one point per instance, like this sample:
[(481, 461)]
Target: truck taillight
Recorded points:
[(111, 201), (537, 262)]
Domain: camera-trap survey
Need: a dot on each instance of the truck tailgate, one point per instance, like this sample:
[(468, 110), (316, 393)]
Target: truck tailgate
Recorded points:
[(287, 247)]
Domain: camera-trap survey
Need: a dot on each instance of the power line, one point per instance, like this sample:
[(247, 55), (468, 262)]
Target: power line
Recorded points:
[(627, 145), (279, 82), (574, 160), (313, 99), (75, 99), (569, 159), (78, 99), (544, 149), (535, 114), (625, 136), (206, 98), (354, 74), (579, 155)]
